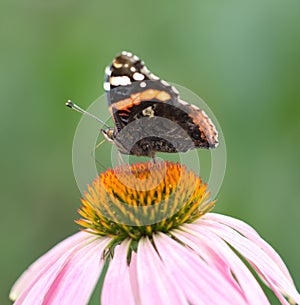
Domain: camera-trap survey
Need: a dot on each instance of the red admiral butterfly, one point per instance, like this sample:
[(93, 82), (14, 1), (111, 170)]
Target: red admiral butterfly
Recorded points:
[(148, 113)]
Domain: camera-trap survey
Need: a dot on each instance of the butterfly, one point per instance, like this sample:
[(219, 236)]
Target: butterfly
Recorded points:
[(148, 113)]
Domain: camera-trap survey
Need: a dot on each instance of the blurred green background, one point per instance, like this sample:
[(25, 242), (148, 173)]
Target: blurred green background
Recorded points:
[(241, 57)]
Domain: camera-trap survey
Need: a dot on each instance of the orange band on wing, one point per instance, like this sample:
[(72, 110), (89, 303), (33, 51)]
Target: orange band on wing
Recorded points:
[(136, 98)]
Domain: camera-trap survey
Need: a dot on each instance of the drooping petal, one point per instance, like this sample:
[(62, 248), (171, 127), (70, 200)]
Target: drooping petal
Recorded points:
[(235, 270), (117, 285), (72, 276), (200, 283), (261, 256), (44, 263), (156, 284), (79, 276), (251, 234)]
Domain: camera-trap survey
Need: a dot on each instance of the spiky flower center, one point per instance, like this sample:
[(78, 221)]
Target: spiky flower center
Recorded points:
[(139, 200)]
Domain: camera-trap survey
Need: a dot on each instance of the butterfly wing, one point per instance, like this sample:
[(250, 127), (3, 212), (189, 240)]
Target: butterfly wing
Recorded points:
[(134, 93), (120, 78)]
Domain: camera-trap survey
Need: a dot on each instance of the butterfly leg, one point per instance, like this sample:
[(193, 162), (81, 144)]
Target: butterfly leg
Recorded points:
[(154, 159), (93, 154), (120, 159)]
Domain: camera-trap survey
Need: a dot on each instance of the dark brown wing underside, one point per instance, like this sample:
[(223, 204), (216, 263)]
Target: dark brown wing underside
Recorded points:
[(146, 136), (148, 114)]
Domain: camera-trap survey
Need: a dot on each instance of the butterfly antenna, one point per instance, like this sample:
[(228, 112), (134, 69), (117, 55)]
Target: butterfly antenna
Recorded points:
[(75, 107), (93, 154)]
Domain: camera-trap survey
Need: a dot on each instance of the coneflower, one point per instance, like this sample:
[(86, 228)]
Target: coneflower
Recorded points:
[(149, 228)]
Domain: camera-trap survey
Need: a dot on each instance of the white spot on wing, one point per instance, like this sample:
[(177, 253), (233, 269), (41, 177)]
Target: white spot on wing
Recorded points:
[(120, 81), (175, 90), (143, 84), (138, 76), (204, 114), (145, 69), (183, 102), (132, 69), (125, 53), (154, 77), (165, 83), (107, 70), (106, 86)]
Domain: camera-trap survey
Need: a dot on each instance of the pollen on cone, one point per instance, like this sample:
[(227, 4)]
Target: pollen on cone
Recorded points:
[(137, 200)]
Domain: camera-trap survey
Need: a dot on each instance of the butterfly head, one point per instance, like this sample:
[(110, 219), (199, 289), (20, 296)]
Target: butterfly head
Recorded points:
[(108, 134)]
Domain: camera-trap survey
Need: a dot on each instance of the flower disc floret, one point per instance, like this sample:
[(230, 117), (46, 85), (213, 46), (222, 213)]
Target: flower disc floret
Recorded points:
[(141, 199)]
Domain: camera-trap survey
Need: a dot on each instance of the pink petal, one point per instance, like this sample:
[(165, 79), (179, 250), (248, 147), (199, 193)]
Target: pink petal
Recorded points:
[(117, 286), (45, 262), (267, 264), (72, 276), (200, 283), (134, 278), (249, 287), (79, 276), (156, 284), (251, 234)]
